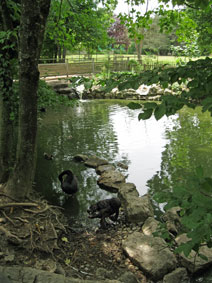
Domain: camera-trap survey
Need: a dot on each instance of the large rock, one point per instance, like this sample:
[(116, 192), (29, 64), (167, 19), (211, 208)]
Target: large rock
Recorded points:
[(179, 275), (137, 209), (94, 161), (193, 262), (150, 254), (102, 168), (18, 274), (127, 189), (172, 219), (80, 157), (111, 180), (150, 226), (58, 84)]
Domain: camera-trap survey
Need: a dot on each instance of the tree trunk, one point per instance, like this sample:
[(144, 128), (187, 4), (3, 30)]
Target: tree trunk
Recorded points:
[(139, 46), (64, 54), (59, 53), (6, 126), (8, 54), (33, 18)]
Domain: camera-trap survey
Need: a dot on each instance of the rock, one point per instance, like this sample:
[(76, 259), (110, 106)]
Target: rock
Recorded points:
[(128, 277), (150, 226), (94, 161), (9, 258), (18, 274), (80, 157), (58, 84), (60, 270), (4, 279), (102, 168), (179, 275), (122, 165), (150, 254), (137, 209), (193, 262), (46, 264), (172, 220), (111, 180), (127, 189), (63, 88)]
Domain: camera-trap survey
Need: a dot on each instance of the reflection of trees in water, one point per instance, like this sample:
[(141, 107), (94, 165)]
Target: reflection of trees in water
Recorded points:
[(64, 133), (190, 146)]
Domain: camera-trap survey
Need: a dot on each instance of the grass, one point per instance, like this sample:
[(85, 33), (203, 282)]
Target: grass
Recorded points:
[(147, 59)]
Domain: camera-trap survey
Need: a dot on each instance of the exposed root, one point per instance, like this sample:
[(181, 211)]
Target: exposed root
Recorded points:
[(38, 211), (80, 271), (18, 204), (11, 237), (8, 218), (21, 219)]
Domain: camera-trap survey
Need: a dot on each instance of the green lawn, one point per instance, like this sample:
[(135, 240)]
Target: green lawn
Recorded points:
[(147, 59)]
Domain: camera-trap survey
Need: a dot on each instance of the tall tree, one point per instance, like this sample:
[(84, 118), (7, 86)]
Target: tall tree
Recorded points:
[(32, 26)]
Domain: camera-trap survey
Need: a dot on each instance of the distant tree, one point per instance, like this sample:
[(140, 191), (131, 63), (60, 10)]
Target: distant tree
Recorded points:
[(73, 24), (155, 41), (118, 33), (137, 24)]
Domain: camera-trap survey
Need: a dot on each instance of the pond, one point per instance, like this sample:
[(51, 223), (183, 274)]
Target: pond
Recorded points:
[(158, 153)]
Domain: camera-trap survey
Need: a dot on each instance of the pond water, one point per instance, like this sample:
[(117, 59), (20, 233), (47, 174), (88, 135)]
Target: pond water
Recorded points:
[(157, 152)]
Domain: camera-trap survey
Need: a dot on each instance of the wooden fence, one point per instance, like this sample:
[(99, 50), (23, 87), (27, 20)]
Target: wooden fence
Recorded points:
[(92, 67)]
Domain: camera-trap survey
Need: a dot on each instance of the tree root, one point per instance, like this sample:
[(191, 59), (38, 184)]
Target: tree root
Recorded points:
[(35, 226), (8, 218), (11, 237), (18, 204)]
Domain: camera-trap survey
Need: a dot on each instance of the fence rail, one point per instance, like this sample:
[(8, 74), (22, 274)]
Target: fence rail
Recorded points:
[(92, 67)]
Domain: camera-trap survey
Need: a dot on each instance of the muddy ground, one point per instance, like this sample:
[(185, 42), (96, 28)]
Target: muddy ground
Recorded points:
[(36, 234)]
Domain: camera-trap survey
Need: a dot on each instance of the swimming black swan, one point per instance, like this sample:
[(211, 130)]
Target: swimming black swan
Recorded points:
[(69, 183)]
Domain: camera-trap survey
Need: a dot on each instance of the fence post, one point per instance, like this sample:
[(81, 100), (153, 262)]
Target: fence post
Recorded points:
[(128, 64), (93, 66), (114, 63), (67, 67)]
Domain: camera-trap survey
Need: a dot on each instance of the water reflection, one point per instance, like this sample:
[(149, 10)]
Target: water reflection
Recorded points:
[(141, 142), (190, 146)]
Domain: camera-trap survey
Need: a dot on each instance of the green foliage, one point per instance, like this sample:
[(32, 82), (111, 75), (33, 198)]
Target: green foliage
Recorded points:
[(80, 80), (47, 97), (195, 77), (74, 24), (194, 196)]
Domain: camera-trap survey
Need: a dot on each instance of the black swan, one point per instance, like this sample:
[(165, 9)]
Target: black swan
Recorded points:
[(69, 183)]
